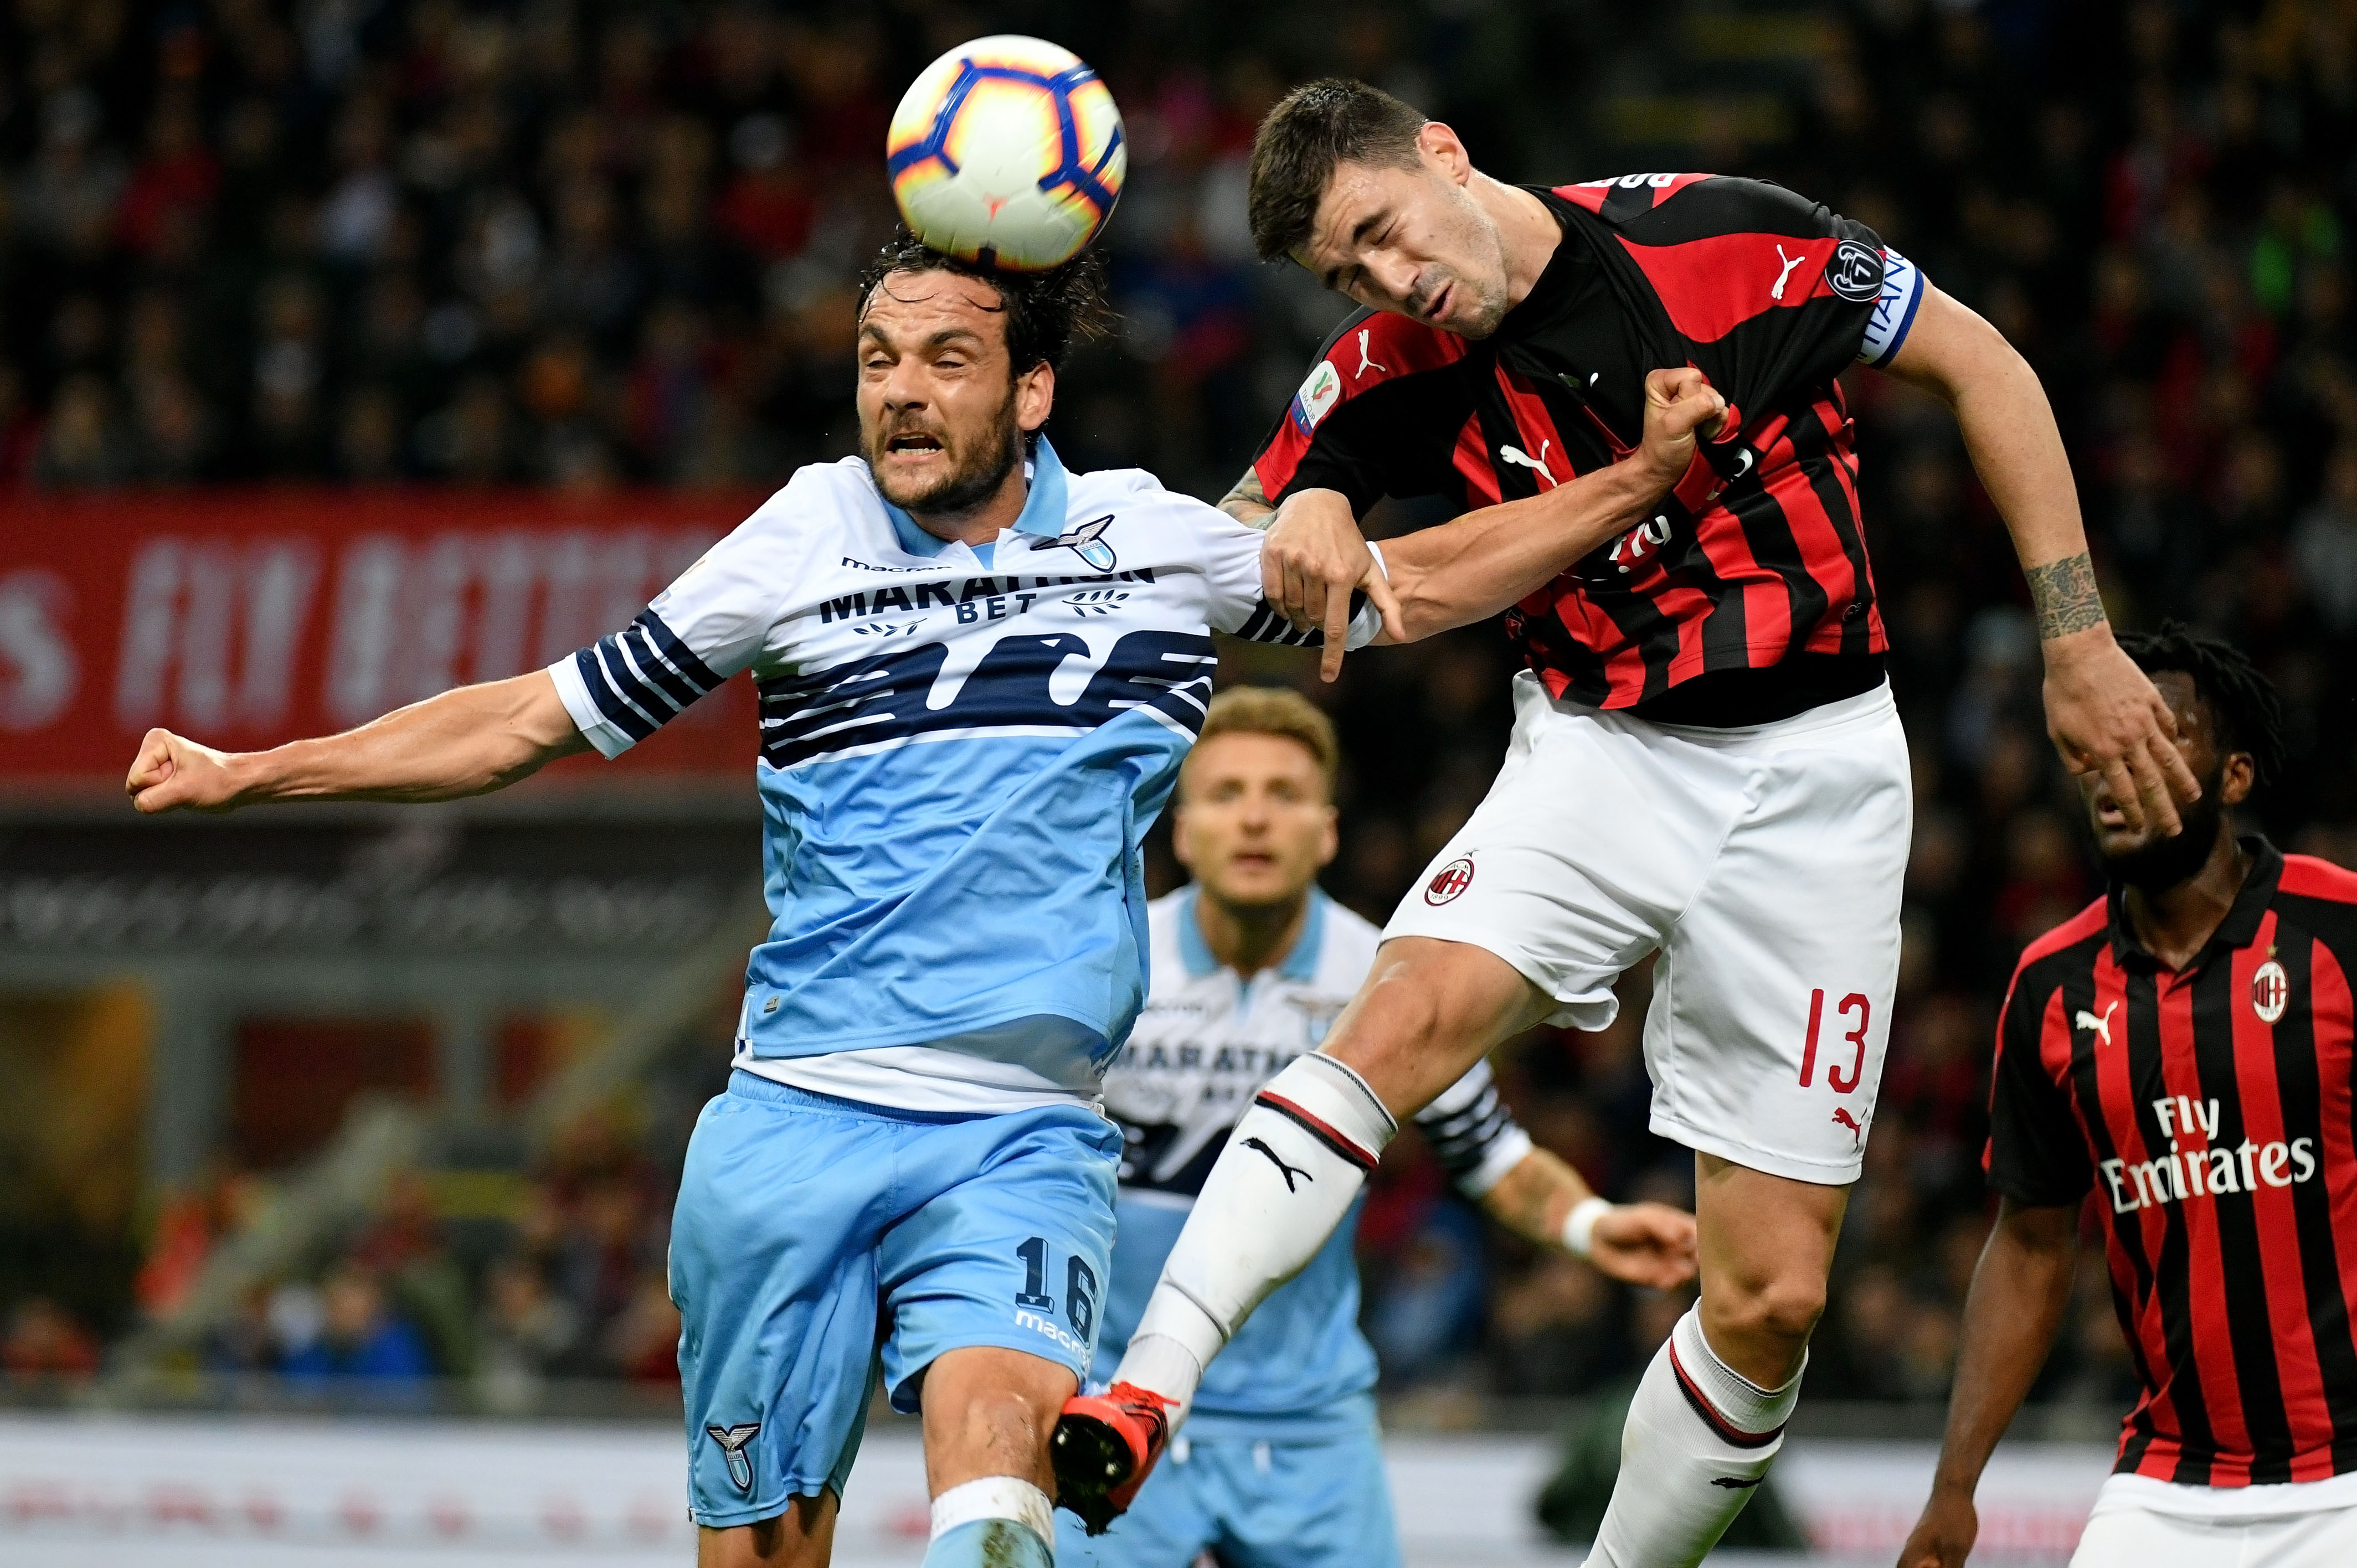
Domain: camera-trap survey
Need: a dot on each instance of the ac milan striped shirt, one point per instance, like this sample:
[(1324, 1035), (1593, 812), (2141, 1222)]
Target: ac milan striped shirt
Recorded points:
[(1747, 594), (2209, 1108)]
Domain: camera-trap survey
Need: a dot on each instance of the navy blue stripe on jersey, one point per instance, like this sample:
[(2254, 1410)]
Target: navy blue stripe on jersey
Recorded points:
[(1461, 1136), (607, 693), (648, 661), (883, 700), (642, 677), (1267, 625)]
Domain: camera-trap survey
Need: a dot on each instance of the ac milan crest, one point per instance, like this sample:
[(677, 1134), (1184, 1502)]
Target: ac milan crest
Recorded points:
[(1449, 881), (2270, 990)]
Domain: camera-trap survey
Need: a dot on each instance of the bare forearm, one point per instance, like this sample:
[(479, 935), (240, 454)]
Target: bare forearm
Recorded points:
[(2021, 1291), (2009, 431), (1476, 566), (1247, 502), (1535, 1197), (469, 741), (2017, 449)]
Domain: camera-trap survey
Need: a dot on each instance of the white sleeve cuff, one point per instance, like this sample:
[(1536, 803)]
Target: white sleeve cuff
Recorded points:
[(1367, 623), (1894, 308), (574, 692), (1511, 1148)]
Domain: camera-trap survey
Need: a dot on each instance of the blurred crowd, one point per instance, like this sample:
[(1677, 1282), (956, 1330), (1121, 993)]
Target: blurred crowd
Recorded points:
[(478, 1290), (361, 240)]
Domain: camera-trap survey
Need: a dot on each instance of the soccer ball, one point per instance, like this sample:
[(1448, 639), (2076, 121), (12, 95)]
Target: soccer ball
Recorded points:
[(1008, 151)]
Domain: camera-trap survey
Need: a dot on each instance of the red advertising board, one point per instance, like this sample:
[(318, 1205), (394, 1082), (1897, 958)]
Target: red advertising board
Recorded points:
[(247, 618)]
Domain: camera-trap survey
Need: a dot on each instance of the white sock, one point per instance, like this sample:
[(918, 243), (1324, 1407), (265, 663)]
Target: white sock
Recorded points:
[(1699, 1440), (1004, 1498), (1291, 1169)]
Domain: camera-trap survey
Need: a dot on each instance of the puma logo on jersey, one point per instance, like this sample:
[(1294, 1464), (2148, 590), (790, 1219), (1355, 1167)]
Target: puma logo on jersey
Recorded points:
[(1522, 460), (1842, 1115), (1790, 263), (1288, 1171), (1366, 360), (2103, 1025), (732, 1441), (1087, 541)]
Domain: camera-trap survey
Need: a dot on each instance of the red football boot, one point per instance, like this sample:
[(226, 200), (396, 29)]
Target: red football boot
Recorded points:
[(1105, 1447)]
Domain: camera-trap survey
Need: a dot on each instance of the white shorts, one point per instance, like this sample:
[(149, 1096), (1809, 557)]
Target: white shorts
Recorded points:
[(1764, 863), (2132, 1527)]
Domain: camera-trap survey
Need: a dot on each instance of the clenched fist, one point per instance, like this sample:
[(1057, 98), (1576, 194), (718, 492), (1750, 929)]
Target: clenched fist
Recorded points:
[(1680, 405), (173, 773)]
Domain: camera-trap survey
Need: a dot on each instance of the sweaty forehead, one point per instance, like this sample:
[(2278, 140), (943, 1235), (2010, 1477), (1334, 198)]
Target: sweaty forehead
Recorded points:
[(915, 306), (2177, 688), (2195, 720), (1356, 192)]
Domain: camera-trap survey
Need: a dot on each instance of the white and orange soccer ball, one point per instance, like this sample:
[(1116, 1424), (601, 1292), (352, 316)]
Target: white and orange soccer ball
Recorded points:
[(1008, 151)]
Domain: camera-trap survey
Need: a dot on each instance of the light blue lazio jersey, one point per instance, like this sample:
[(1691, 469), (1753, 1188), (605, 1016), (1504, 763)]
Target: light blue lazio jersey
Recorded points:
[(1298, 1369), (961, 750)]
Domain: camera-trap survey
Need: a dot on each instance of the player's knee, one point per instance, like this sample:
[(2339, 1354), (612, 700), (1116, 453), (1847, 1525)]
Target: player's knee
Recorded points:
[(1778, 1309)]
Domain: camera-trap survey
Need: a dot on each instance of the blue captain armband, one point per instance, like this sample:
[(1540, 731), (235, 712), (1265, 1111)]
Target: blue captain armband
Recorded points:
[(1903, 285)]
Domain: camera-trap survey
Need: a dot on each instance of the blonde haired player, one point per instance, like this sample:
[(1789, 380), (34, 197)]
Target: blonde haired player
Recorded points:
[(1280, 1461)]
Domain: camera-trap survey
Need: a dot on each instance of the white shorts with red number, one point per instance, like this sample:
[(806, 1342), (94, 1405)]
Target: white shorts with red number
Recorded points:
[(2139, 1522), (1764, 865)]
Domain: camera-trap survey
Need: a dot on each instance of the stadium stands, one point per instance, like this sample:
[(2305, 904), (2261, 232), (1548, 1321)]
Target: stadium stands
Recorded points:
[(366, 243)]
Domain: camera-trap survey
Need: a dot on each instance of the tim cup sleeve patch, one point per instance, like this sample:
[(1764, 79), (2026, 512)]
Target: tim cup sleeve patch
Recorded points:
[(1895, 304)]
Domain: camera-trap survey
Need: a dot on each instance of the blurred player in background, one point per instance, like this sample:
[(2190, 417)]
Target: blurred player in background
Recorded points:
[(1281, 1464), (2183, 1050), (977, 675), (1707, 760)]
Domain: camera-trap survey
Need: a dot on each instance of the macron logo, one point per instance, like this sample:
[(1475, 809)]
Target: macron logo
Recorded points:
[(2103, 1025), (1053, 1330)]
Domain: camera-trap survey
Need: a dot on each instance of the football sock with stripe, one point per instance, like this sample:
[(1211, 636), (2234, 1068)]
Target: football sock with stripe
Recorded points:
[(998, 1522), (1296, 1159), (1699, 1439)]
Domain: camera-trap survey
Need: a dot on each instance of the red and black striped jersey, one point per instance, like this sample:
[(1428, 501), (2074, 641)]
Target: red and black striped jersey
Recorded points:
[(2208, 1108), (1757, 562)]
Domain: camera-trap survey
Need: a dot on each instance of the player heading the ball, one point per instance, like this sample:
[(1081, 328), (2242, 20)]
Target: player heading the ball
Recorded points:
[(978, 674)]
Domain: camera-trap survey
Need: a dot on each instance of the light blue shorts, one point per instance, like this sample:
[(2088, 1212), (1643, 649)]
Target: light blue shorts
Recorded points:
[(1320, 1504), (820, 1245)]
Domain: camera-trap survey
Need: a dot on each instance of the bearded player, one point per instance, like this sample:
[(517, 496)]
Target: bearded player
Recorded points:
[(2182, 1049), (1282, 1463), (1707, 762), (978, 674)]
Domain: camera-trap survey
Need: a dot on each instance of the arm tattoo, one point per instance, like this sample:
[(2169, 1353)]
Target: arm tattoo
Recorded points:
[(1247, 502), (2064, 593)]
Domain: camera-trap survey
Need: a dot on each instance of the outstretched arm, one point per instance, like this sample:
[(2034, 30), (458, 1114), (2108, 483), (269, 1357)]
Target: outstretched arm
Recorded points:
[(2100, 710), (2021, 1289), (469, 741)]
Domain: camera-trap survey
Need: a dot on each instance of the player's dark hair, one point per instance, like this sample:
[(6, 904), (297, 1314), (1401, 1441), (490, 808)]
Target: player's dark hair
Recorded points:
[(1046, 312), (2242, 699), (1314, 127)]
